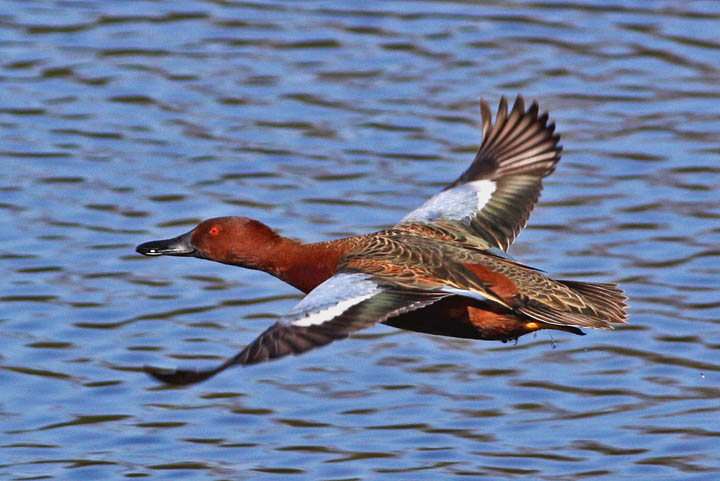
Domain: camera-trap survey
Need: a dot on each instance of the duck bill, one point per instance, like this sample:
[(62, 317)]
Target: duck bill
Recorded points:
[(177, 246)]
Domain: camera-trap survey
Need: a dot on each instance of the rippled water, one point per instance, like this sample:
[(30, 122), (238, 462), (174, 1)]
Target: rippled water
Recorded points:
[(122, 122)]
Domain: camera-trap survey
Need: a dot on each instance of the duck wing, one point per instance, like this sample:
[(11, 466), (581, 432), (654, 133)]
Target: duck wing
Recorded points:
[(346, 302), (494, 197)]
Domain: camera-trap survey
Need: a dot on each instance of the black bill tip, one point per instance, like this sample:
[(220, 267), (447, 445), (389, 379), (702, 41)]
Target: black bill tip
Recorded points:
[(177, 246)]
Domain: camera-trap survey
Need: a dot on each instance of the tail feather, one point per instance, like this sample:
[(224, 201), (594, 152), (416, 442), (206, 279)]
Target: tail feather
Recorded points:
[(595, 305), (607, 298)]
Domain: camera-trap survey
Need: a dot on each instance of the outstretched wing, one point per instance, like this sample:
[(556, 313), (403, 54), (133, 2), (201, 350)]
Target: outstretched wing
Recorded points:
[(344, 303), (494, 197)]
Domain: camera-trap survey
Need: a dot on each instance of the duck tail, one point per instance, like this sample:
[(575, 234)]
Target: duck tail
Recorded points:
[(590, 304), (607, 299)]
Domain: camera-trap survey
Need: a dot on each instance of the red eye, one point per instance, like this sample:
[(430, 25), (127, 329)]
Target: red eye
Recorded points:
[(214, 230)]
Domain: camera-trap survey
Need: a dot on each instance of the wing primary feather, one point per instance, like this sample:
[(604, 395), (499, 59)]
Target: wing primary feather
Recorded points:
[(284, 338), (522, 146)]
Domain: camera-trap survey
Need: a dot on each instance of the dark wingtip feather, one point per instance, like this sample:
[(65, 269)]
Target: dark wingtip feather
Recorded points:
[(502, 109), (178, 377), (522, 142), (486, 115)]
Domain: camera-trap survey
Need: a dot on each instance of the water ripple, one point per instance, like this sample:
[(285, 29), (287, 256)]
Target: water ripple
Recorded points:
[(125, 123)]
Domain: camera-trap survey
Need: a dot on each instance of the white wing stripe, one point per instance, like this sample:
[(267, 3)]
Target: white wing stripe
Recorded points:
[(466, 293), (485, 190), (331, 298), (320, 317)]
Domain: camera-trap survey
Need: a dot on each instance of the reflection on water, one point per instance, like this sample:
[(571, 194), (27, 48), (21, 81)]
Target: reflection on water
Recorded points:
[(121, 122)]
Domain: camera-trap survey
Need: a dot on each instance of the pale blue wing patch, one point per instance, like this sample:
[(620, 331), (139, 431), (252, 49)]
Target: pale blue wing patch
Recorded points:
[(460, 203), (331, 298)]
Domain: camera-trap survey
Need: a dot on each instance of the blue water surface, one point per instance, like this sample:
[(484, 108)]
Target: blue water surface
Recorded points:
[(122, 122)]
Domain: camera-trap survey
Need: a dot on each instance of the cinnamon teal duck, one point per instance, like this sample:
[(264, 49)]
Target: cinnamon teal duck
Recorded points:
[(440, 270)]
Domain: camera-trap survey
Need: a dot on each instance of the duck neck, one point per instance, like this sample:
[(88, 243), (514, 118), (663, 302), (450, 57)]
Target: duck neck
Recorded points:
[(254, 245), (304, 266)]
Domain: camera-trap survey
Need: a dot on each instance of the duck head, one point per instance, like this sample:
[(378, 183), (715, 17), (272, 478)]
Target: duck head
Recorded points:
[(231, 240)]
